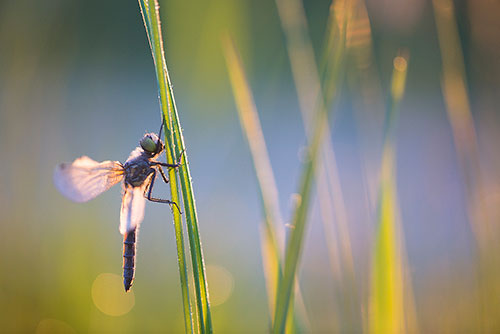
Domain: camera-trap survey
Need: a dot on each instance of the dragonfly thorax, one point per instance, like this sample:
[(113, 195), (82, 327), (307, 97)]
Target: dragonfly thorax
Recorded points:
[(137, 171)]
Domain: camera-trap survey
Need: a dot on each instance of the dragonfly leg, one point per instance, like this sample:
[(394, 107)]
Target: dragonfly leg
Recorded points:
[(178, 164), (163, 164), (163, 176), (158, 146), (157, 200)]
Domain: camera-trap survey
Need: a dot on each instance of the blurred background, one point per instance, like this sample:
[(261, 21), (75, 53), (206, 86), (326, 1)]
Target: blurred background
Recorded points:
[(77, 78)]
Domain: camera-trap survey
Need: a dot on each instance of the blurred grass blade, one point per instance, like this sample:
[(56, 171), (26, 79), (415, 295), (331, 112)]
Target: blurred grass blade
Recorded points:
[(480, 216), (294, 244), (314, 112), (268, 191), (387, 311), (454, 86), (174, 146), (271, 266), (296, 237), (311, 97), (363, 78), (398, 82), (330, 195), (272, 232)]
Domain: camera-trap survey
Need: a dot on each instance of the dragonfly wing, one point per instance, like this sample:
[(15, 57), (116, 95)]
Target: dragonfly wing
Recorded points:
[(85, 178), (132, 211)]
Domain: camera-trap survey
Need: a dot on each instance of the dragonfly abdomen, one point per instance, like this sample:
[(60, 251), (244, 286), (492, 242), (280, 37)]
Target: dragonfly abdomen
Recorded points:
[(129, 259)]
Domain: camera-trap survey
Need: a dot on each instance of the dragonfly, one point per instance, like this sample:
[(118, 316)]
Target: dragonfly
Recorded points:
[(84, 179)]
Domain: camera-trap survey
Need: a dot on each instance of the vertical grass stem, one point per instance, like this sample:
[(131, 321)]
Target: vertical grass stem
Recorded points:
[(175, 145)]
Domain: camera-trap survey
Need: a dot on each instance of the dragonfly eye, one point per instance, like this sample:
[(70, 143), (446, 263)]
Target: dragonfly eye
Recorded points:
[(148, 144)]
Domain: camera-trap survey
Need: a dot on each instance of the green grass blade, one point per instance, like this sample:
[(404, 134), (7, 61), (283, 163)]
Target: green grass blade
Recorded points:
[(310, 84), (144, 6), (456, 97), (294, 245), (386, 313), (272, 231), (387, 307), (150, 12), (176, 142), (250, 124), (198, 262), (482, 218), (316, 126)]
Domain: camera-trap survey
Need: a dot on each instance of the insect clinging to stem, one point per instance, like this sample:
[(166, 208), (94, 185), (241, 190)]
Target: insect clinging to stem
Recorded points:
[(84, 179)]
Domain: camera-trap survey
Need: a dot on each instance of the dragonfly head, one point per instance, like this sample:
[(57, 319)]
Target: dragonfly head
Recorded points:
[(151, 144)]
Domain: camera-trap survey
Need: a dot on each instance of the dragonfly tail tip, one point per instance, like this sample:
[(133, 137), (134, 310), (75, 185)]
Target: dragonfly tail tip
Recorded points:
[(127, 284)]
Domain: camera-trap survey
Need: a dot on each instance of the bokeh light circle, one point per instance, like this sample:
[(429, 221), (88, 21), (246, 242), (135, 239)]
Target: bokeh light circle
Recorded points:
[(109, 296), (221, 284)]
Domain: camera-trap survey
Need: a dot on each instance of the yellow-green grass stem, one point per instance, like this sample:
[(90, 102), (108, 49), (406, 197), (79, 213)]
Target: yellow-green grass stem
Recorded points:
[(387, 306), (316, 126), (480, 214), (294, 244), (250, 124), (178, 147), (155, 45), (175, 143)]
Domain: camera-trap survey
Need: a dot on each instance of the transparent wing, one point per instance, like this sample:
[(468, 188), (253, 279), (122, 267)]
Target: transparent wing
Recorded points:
[(85, 178), (132, 211)]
